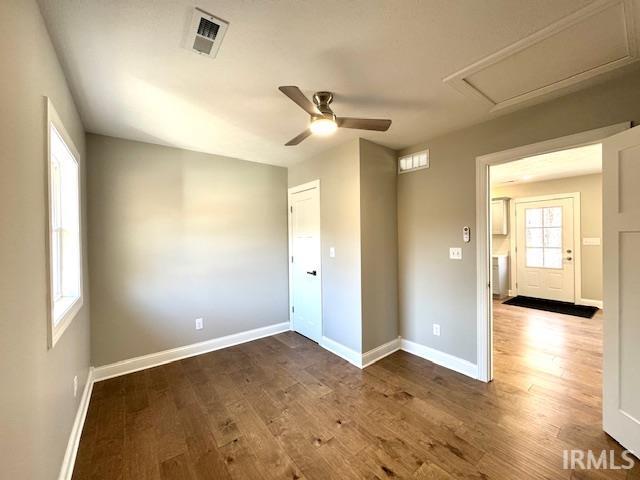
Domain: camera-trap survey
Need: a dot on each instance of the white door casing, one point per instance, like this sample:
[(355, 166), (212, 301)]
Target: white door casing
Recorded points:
[(621, 252), (545, 250), (483, 231), (305, 295)]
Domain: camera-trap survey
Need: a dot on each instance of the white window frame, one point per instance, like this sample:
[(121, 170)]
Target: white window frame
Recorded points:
[(413, 157), (54, 332)]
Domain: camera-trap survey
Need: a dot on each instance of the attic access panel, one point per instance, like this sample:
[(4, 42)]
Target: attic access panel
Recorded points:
[(597, 38)]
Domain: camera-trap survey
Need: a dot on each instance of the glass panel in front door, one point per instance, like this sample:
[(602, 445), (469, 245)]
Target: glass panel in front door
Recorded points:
[(543, 237)]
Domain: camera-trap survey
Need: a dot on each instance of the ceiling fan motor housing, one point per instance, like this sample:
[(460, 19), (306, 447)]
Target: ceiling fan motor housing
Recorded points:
[(322, 101)]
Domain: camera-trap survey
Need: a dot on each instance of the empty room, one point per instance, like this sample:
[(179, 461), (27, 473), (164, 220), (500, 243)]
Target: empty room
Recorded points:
[(294, 239)]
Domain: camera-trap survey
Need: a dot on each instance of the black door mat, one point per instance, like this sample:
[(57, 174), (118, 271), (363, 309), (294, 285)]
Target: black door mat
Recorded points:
[(565, 308)]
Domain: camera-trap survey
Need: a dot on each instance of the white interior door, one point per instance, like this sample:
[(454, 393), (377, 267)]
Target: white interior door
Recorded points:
[(621, 251), (306, 297), (545, 250)]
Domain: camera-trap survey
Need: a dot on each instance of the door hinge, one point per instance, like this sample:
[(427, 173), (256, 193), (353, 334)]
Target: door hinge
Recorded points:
[(291, 258), (291, 209), (293, 309)]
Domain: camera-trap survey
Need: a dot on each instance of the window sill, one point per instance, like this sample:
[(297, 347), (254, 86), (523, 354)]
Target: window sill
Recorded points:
[(64, 311)]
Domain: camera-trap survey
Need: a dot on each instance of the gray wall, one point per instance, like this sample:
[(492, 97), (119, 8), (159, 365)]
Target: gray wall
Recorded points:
[(339, 172), (590, 188), (358, 218), (434, 204), (379, 244), (175, 235), (37, 407)]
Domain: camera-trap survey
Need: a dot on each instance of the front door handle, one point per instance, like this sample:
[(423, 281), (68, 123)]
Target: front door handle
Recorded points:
[(312, 272)]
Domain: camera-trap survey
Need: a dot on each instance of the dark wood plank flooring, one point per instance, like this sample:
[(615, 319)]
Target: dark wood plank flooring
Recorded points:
[(284, 408)]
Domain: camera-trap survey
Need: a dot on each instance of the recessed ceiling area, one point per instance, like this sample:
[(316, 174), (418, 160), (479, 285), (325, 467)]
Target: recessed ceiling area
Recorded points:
[(549, 166), (380, 58)]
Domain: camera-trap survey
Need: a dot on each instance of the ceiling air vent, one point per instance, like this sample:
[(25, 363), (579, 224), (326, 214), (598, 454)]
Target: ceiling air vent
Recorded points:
[(206, 33)]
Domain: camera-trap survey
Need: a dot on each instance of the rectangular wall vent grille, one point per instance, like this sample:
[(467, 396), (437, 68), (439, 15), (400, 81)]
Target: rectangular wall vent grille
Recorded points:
[(414, 161)]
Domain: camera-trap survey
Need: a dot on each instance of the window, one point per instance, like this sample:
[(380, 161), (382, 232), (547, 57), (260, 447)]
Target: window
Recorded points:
[(543, 237), (65, 256), (415, 161)]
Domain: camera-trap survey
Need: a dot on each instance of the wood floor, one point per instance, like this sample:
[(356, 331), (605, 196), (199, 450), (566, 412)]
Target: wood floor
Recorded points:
[(283, 408)]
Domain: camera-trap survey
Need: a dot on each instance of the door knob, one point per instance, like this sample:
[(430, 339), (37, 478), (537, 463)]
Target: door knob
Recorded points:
[(568, 251), (569, 258), (312, 272)]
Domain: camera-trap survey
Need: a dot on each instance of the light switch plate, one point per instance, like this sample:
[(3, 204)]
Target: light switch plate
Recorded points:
[(332, 252), (199, 323), (466, 234), (455, 253), (436, 329)]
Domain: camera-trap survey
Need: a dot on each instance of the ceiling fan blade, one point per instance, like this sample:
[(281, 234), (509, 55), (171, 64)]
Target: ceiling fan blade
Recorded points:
[(298, 139), (295, 94), (364, 123)]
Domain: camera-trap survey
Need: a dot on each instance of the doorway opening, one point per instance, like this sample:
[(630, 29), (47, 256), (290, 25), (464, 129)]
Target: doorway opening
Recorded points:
[(560, 356), (541, 326), (530, 180)]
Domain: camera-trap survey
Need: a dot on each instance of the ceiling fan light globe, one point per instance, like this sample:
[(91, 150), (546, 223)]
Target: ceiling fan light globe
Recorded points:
[(323, 126)]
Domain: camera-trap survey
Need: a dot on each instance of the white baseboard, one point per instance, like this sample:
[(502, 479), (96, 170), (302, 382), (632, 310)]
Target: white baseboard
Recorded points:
[(66, 471), (512, 293), (360, 360), (590, 303), (342, 351), (378, 353), (160, 358), (368, 358), (443, 359)]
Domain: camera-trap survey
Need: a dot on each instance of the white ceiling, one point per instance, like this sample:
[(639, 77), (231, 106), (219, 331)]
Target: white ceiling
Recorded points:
[(565, 163), (382, 58)]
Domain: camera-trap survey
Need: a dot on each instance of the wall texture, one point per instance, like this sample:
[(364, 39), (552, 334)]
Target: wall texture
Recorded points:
[(176, 235), (339, 172), (37, 407), (379, 244), (434, 204), (590, 188)]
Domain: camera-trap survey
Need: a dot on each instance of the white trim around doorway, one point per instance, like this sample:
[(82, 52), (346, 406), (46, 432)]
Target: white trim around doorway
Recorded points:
[(483, 216), (291, 191)]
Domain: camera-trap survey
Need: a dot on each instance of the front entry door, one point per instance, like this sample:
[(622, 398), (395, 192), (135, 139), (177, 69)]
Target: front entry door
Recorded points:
[(545, 250), (621, 253), (306, 298)]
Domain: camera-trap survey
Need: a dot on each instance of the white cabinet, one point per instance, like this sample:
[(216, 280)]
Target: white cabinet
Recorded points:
[(500, 216), (500, 280)]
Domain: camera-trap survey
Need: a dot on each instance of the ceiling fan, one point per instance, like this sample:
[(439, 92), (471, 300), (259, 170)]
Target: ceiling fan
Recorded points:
[(323, 121)]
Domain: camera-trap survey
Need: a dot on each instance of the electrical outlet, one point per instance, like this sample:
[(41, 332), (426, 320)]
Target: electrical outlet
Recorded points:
[(75, 386), (455, 253), (199, 323), (436, 329)]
